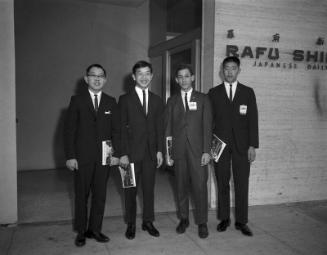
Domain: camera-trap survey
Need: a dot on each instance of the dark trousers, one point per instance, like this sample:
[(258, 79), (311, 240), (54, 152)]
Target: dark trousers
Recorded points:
[(192, 178), (241, 171), (90, 177), (146, 170)]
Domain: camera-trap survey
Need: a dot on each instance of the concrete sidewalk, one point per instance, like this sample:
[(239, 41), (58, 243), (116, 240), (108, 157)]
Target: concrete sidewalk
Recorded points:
[(299, 228)]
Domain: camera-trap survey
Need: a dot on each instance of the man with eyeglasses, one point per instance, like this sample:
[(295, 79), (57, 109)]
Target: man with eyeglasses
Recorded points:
[(92, 119), (188, 122)]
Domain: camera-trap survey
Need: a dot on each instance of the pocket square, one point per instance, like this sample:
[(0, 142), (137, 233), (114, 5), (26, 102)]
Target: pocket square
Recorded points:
[(107, 112)]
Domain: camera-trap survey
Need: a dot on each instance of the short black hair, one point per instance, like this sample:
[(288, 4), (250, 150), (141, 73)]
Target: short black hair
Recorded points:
[(182, 67), (232, 59), (97, 66), (141, 64)]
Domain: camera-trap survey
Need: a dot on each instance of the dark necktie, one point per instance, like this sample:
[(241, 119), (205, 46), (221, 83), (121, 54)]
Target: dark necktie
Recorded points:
[(96, 103), (230, 93), (144, 102), (185, 101)]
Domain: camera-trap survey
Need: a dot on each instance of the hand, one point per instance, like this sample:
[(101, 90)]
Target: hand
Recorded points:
[(169, 161), (205, 159), (159, 159), (251, 154), (72, 164), (114, 161), (124, 161)]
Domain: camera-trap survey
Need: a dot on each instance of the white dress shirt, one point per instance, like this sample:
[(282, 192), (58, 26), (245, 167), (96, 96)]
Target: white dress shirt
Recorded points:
[(140, 95), (189, 93), (227, 86), (92, 96)]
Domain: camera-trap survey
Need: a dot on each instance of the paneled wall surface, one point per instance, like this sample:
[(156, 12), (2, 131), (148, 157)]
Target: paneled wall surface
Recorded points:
[(282, 45), (8, 163), (55, 41)]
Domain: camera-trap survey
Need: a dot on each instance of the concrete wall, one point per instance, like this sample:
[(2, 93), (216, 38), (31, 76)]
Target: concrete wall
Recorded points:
[(291, 96), (8, 164), (55, 41)]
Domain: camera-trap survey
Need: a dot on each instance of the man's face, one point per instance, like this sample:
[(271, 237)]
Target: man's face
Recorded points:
[(95, 79), (231, 71), (185, 79), (143, 77)]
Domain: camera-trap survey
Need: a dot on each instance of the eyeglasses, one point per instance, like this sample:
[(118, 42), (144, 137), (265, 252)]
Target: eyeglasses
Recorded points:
[(94, 76), (184, 77)]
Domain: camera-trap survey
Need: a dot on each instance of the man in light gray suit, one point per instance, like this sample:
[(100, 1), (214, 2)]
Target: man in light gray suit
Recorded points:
[(188, 120)]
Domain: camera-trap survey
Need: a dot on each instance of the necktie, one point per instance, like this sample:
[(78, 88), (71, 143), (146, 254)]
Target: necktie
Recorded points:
[(96, 103), (185, 101), (144, 102), (230, 93)]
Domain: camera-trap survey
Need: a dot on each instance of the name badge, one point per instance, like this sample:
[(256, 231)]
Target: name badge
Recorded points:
[(243, 109), (192, 106)]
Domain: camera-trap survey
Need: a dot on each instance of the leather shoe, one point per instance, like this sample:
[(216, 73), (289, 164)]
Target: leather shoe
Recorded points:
[(130, 231), (80, 240), (98, 236), (203, 230), (223, 225), (183, 224), (244, 229), (148, 226)]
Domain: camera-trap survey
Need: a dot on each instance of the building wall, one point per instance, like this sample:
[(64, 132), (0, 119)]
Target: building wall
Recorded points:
[(55, 41), (8, 163), (292, 98)]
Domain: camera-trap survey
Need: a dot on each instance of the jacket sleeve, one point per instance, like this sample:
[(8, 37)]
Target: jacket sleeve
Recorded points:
[(124, 126), (159, 127), (116, 129), (70, 129), (207, 124), (253, 121)]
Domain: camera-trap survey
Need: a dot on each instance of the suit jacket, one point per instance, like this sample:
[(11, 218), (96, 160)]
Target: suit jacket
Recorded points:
[(194, 125), (85, 129), (239, 119), (139, 130)]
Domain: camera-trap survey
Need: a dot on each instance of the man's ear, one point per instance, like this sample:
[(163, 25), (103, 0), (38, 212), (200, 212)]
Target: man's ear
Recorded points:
[(133, 76), (86, 80), (192, 78)]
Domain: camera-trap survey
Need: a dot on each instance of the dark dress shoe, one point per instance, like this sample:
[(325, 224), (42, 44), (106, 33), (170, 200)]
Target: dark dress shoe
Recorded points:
[(244, 229), (80, 240), (203, 230), (98, 236), (148, 226), (183, 224), (223, 225), (130, 231)]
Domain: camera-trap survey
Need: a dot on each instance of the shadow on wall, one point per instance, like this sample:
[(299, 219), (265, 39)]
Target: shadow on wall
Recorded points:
[(58, 138), (128, 83), (320, 96)]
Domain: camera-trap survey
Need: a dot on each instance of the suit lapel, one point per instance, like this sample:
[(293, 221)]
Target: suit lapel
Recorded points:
[(180, 103), (150, 103), (237, 93), (88, 100), (138, 102), (102, 103)]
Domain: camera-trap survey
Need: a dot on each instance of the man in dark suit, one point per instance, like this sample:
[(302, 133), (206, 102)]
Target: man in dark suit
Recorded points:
[(92, 118), (235, 117), (142, 144), (188, 120)]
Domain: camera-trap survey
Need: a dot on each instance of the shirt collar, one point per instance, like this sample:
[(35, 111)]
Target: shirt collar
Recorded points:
[(92, 93), (188, 92), (234, 84), (139, 90)]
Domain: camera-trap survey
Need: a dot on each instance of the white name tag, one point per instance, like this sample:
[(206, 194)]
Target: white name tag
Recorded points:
[(192, 106), (243, 109)]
